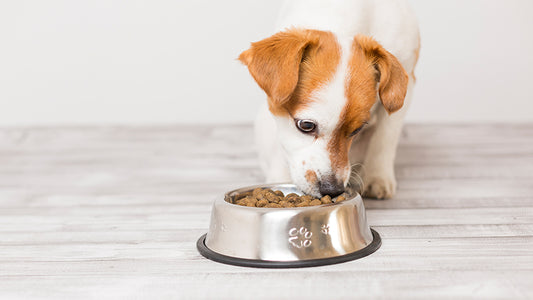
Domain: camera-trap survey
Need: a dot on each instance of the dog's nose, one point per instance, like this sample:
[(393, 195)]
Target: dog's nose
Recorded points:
[(330, 186)]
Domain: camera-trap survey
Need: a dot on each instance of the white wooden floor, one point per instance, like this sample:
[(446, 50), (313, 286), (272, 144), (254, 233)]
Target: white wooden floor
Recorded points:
[(95, 213)]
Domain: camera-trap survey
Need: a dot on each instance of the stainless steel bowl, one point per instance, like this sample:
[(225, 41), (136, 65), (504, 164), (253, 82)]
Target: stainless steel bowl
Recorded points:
[(287, 237)]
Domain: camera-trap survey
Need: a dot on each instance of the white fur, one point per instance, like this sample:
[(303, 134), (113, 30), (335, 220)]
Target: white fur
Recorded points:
[(283, 149)]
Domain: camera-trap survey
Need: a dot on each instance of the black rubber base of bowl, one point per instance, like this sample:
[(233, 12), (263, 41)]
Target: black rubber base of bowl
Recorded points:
[(212, 255)]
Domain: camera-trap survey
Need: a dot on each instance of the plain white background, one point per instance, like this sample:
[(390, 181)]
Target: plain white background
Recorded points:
[(160, 62)]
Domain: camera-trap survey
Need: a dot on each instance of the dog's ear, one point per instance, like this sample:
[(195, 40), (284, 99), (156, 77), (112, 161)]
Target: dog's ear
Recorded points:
[(275, 63), (391, 75)]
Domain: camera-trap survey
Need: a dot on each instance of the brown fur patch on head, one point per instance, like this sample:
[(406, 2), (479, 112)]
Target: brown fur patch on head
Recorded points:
[(360, 92), (369, 64), (291, 64), (311, 177), (392, 77)]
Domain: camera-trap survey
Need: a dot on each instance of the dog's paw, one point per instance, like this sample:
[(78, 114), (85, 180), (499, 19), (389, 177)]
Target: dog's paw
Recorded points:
[(380, 187)]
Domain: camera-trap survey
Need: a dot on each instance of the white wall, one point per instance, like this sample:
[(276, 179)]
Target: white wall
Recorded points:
[(476, 61), (145, 62)]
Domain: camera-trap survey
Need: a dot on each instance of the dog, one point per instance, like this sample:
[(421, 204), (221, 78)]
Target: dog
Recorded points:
[(339, 77)]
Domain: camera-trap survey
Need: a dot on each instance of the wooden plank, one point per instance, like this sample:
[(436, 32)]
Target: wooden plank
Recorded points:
[(403, 284)]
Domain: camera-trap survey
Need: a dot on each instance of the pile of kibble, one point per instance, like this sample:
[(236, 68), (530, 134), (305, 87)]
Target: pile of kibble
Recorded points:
[(276, 199)]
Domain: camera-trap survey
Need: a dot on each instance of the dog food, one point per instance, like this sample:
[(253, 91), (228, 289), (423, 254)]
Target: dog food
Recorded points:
[(276, 199)]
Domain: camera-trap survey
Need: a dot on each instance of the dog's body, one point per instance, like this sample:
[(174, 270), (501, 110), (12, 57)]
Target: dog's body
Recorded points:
[(318, 73)]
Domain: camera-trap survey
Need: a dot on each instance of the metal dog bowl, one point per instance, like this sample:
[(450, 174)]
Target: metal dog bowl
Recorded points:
[(287, 237)]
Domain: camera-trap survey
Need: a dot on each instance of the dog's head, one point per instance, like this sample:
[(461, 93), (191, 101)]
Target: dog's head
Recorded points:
[(320, 92)]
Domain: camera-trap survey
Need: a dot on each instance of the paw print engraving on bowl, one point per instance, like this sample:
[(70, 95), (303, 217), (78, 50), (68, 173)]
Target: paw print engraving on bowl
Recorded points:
[(300, 238), (325, 229)]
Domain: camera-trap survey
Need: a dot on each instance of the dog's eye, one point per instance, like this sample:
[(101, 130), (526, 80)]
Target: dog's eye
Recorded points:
[(357, 130), (305, 126)]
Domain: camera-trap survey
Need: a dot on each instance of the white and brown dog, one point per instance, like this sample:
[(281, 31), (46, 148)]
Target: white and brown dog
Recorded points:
[(338, 78)]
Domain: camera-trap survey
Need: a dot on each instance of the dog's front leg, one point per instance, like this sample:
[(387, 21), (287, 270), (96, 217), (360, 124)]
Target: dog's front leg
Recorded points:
[(378, 173)]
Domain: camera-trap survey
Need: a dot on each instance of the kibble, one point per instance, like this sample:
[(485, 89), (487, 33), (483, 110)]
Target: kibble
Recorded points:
[(315, 202), (262, 203), (276, 199), (303, 204)]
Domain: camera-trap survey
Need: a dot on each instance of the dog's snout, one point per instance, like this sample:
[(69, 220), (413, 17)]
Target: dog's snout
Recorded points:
[(331, 186)]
